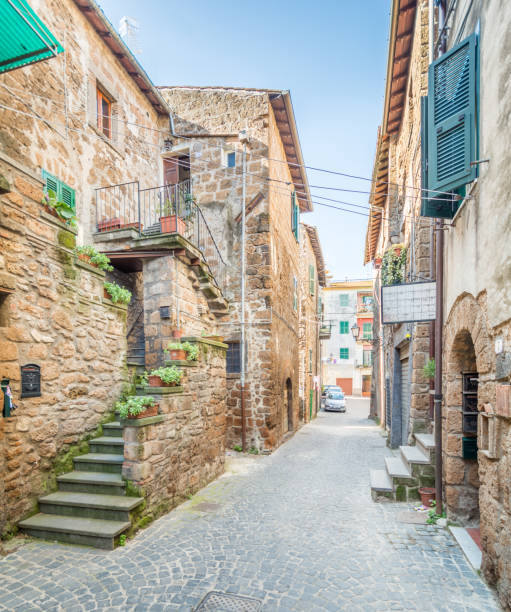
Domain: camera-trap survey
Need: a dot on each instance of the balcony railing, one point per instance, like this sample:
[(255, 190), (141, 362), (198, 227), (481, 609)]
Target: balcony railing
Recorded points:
[(325, 331), (169, 209)]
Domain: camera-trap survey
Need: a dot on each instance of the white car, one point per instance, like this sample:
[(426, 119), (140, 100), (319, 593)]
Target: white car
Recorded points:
[(335, 401)]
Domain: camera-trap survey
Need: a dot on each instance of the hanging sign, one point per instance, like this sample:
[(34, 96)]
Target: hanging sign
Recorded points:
[(408, 303)]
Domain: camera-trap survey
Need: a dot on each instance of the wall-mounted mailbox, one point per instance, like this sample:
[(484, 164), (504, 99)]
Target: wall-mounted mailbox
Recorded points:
[(30, 380), (164, 312)]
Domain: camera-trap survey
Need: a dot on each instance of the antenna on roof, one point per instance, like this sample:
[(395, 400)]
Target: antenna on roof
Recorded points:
[(128, 29)]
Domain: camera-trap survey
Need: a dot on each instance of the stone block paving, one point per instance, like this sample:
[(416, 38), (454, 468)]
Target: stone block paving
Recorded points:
[(297, 530)]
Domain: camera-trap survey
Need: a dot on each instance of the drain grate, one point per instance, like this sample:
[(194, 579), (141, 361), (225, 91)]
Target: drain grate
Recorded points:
[(215, 601)]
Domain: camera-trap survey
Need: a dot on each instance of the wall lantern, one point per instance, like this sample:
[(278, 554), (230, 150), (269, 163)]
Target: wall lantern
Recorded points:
[(167, 145), (355, 330)]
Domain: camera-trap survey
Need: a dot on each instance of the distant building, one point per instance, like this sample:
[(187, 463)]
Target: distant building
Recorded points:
[(346, 356)]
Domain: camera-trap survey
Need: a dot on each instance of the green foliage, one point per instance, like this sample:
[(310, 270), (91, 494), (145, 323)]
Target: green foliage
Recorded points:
[(63, 210), (170, 375), (253, 451), (143, 379), (433, 517), (99, 260), (237, 448), (117, 293), (134, 405), (393, 266), (122, 539), (192, 350), (429, 369)]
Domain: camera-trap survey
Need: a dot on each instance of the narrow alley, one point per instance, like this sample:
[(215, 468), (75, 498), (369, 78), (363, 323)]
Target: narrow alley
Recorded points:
[(296, 530)]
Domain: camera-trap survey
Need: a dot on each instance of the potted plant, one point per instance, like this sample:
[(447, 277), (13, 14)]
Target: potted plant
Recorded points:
[(192, 351), (170, 222), (106, 225), (377, 261), (89, 255), (62, 210), (137, 407), (427, 495), (176, 351), (165, 377), (116, 293)]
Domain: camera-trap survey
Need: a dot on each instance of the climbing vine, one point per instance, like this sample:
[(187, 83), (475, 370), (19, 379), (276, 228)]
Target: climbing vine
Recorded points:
[(393, 266)]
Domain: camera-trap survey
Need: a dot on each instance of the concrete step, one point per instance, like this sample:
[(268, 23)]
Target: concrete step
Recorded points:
[(113, 429), (381, 481), (426, 442), (413, 454), (99, 462), (107, 444), (86, 531), (89, 505), (397, 469), (92, 482)]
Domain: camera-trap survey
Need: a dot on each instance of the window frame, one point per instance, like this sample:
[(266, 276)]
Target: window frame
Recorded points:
[(101, 97), (344, 325), (233, 361), (344, 352), (344, 297), (370, 332)]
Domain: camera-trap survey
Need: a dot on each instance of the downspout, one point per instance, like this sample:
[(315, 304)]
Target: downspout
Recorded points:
[(431, 41), (243, 138)]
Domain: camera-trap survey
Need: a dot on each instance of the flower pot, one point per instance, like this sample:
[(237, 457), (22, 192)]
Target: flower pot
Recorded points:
[(427, 494), (109, 224), (133, 225), (52, 211), (177, 333), (177, 354), (86, 258), (377, 262), (172, 224), (148, 412), (397, 250), (106, 295)]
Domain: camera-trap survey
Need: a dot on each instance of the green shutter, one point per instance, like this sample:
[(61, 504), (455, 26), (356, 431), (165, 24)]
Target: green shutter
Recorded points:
[(311, 280), (63, 192), (344, 353), (51, 183), (452, 117), (295, 216), (344, 327), (67, 195)]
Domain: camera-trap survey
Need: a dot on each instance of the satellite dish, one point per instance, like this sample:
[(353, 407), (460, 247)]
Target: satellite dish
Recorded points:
[(129, 29)]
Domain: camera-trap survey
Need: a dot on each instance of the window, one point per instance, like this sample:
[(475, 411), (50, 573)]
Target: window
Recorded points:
[(367, 331), (295, 217), (344, 353), (63, 192), (295, 294), (344, 327), (4, 308), (449, 127), (367, 358), (310, 361), (228, 158), (104, 113), (344, 299), (312, 280), (233, 358)]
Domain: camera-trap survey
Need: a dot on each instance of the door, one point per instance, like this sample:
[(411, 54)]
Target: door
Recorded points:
[(289, 393), (170, 171), (366, 385), (346, 385), (405, 399)]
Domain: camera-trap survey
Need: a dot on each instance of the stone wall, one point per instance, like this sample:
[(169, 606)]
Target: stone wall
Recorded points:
[(181, 450), (53, 314)]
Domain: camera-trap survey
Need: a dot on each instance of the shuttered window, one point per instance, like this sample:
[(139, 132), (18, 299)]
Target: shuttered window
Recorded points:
[(344, 327), (344, 299), (312, 280), (295, 216), (449, 127), (295, 294), (63, 192), (344, 353)]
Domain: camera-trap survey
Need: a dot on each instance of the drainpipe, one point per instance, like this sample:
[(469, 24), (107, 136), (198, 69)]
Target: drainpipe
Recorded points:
[(243, 138)]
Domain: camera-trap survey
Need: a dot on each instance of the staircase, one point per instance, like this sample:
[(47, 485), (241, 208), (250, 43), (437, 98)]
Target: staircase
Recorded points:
[(405, 473), (91, 506)]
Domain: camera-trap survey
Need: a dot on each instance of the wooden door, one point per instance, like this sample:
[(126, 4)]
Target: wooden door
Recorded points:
[(170, 172), (346, 385)]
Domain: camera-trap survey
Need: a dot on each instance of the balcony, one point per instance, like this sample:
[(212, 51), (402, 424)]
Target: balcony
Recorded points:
[(166, 215), (325, 331)]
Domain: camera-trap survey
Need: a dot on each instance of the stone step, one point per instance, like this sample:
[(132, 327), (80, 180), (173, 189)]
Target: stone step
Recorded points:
[(86, 531), (89, 505), (397, 469), (92, 482), (107, 444), (426, 442), (113, 429), (381, 481), (413, 454), (99, 462)]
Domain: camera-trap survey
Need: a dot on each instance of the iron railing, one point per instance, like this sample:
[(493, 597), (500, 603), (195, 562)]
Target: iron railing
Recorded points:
[(169, 209)]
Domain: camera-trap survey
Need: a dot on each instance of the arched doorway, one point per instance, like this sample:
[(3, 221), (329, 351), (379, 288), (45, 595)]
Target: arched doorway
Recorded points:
[(289, 403)]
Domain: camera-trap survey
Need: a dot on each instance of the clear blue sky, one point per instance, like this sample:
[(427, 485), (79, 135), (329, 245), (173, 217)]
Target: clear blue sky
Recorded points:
[(331, 55)]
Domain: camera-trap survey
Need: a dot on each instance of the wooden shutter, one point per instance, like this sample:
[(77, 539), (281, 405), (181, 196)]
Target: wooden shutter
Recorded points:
[(452, 117), (51, 183), (311, 279), (67, 195)]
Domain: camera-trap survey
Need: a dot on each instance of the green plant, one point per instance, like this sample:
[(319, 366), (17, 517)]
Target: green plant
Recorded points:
[(134, 405), (237, 448), (63, 210), (170, 375), (168, 208), (393, 266), (122, 539), (192, 351), (433, 517), (143, 379), (100, 260), (253, 451), (117, 293), (429, 369)]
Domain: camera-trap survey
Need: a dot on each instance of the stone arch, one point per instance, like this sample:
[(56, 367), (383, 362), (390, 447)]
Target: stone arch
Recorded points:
[(467, 348)]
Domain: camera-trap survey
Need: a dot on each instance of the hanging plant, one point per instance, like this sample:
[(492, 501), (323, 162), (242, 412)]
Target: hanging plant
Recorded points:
[(393, 265), (429, 369)]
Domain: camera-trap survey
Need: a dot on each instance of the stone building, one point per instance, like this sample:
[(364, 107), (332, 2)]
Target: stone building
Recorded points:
[(207, 150), (89, 126), (347, 353), (463, 138)]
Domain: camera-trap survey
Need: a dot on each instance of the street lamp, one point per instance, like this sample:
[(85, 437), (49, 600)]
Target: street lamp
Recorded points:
[(355, 330)]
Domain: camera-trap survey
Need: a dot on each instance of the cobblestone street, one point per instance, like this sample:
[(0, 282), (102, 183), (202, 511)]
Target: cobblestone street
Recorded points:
[(297, 530)]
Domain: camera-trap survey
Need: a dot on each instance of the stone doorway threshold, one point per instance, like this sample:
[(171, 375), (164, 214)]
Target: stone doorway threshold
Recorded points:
[(469, 541)]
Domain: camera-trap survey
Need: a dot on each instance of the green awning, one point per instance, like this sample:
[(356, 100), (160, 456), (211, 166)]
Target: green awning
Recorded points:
[(25, 39)]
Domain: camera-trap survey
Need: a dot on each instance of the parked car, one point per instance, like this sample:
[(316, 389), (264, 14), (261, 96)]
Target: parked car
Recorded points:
[(329, 388), (335, 401)]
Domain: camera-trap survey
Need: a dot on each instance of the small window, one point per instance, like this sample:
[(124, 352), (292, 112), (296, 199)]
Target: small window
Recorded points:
[(344, 353), (312, 280), (344, 327), (310, 361), (295, 294), (228, 158), (4, 308), (367, 331), (233, 359), (344, 299), (104, 113), (63, 192), (295, 217)]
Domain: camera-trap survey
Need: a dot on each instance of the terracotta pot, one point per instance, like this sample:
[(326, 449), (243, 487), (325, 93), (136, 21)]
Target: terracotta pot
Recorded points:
[(86, 259), (52, 211), (427, 494), (172, 224), (177, 354), (106, 295), (377, 262), (109, 224), (177, 333), (148, 412), (133, 225)]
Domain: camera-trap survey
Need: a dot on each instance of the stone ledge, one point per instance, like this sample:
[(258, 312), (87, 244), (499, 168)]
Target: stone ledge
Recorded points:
[(123, 233), (142, 422), (45, 215), (82, 264), (205, 341), (182, 363), (106, 302), (158, 390)]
